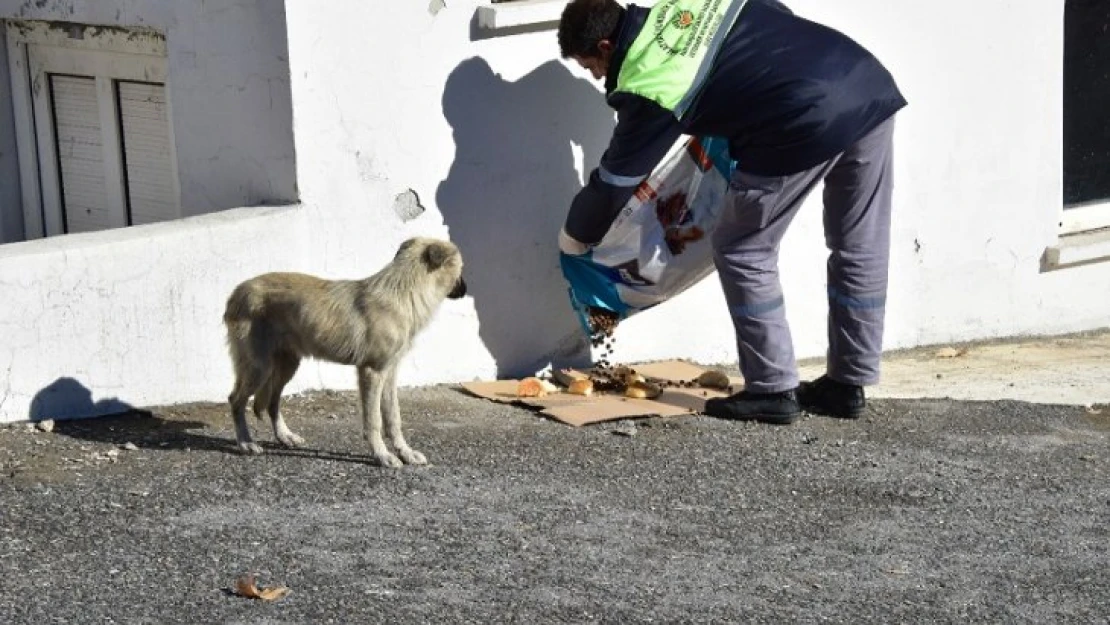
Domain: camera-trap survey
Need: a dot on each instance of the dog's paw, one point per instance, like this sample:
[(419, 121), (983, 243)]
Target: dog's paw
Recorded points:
[(290, 440), (411, 456), (251, 449), (389, 460)]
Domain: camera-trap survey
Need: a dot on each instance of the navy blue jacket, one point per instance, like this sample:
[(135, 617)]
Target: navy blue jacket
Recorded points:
[(787, 93)]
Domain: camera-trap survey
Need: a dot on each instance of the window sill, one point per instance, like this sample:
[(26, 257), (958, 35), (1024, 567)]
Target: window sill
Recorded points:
[(520, 13), (528, 15), (1085, 217), (1082, 248), (154, 235)]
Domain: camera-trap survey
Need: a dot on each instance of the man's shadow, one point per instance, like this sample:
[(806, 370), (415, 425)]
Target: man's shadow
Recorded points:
[(506, 197)]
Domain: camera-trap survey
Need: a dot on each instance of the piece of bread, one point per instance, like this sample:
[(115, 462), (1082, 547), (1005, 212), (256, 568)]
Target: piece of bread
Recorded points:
[(531, 387), (643, 390), (628, 376), (581, 386), (713, 379), (567, 376)]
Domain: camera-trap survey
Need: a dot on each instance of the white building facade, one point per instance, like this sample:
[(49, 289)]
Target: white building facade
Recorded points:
[(155, 153)]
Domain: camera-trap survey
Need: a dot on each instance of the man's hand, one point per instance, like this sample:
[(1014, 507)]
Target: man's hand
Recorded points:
[(571, 246)]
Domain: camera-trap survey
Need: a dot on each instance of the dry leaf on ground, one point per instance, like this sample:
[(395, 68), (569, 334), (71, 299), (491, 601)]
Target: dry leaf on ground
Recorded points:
[(950, 352), (245, 586)]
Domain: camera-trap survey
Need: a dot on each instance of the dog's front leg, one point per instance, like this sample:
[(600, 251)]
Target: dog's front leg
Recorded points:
[(370, 385), (391, 406)]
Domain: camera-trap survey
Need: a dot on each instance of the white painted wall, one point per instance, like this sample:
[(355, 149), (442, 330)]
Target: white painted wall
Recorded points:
[(96, 321), (485, 132), (491, 134)]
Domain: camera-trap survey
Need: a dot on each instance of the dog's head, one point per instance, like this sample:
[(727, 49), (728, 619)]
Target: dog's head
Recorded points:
[(441, 260)]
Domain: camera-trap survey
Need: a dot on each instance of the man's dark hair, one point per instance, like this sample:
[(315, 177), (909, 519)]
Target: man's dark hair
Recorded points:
[(586, 22)]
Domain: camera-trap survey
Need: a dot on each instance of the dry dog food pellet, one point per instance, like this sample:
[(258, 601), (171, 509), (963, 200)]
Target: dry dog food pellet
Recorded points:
[(603, 324)]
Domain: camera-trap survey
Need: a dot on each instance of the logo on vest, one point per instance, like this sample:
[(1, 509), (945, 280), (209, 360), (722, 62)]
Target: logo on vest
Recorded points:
[(681, 31)]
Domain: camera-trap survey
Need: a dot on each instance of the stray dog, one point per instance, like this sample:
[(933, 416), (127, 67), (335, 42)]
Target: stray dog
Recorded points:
[(276, 319)]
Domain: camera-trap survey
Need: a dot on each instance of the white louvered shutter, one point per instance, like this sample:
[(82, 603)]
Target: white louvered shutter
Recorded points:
[(148, 165), (79, 136)]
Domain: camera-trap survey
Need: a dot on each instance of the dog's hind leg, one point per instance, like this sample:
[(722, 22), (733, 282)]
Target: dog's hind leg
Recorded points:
[(253, 364), (370, 385), (285, 366), (391, 407), (261, 399), (242, 344), (247, 380)]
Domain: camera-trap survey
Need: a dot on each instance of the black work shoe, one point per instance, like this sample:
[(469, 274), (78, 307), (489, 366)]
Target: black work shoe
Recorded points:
[(776, 408), (826, 396)]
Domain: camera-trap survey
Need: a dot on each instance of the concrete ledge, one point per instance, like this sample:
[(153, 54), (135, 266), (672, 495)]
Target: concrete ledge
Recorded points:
[(96, 322), (87, 241), (1071, 369), (516, 14), (1078, 249), (503, 15)]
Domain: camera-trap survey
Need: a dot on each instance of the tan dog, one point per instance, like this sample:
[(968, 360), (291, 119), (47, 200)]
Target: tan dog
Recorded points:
[(276, 319)]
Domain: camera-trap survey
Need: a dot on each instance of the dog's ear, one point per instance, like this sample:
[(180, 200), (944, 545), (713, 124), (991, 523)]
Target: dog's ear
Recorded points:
[(436, 255), (404, 247)]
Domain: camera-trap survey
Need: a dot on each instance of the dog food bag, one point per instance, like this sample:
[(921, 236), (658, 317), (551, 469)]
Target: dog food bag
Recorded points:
[(658, 246)]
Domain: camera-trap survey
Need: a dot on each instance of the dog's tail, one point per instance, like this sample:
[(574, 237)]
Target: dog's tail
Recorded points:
[(244, 305)]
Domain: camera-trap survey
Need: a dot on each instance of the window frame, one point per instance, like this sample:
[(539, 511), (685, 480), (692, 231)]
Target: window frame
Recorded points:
[(38, 49), (1091, 214)]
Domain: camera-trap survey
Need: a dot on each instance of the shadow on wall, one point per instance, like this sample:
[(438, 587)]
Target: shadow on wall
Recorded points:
[(66, 398), (506, 197)]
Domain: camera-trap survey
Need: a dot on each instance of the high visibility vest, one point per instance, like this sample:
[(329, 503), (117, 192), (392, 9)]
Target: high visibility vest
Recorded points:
[(670, 59)]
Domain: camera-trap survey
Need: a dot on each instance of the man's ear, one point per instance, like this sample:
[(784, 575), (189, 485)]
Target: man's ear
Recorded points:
[(605, 46)]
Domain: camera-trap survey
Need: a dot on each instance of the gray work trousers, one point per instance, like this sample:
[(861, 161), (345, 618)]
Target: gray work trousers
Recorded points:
[(757, 211)]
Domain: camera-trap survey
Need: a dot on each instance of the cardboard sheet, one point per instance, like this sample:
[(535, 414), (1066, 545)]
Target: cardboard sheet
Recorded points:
[(577, 410)]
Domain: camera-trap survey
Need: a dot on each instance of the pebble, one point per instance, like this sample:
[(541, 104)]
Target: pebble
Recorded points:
[(626, 429)]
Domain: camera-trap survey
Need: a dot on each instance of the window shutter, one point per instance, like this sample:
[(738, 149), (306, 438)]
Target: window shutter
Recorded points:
[(80, 148), (148, 163)]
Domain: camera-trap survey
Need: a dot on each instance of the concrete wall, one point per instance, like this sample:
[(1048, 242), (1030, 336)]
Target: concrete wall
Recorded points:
[(495, 131), (978, 175), (415, 108), (228, 86), (96, 322), (490, 134)]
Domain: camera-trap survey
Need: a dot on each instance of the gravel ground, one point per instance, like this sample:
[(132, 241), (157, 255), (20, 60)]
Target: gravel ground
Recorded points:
[(923, 511)]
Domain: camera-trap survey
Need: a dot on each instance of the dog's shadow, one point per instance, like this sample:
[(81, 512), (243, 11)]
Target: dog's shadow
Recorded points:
[(505, 199), (118, 423), (146, 429)]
